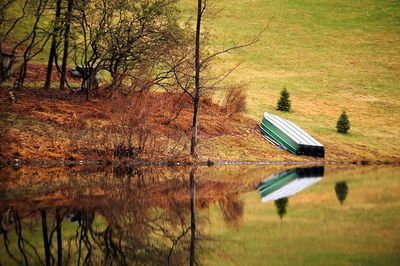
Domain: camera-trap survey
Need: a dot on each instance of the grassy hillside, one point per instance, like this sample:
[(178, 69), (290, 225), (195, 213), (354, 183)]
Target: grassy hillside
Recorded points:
[(331, 56)]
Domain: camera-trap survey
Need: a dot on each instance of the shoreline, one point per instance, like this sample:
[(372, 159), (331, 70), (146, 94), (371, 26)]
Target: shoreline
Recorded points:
[(210, 163)]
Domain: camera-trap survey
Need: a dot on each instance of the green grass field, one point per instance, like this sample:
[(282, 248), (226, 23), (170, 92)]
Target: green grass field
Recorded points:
[(330, 55)]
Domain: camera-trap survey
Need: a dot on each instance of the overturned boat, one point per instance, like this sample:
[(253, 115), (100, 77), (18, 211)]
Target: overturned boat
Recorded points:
[(289, 136), (287, 183)]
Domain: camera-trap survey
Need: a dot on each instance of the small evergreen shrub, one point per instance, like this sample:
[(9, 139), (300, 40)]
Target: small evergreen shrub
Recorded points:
[(343, 123), (284, 104)]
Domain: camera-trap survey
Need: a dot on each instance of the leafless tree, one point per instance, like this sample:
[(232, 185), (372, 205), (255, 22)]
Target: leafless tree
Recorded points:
[(8, 24), (32, 43), (123, 37), (193, 80), (90, 24), (68, 14), (138, 36)]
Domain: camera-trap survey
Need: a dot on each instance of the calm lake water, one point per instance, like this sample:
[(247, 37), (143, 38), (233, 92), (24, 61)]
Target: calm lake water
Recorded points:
[(231, 215)]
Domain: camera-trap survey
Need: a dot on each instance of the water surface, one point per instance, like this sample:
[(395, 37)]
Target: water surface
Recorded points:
[(232, 215)]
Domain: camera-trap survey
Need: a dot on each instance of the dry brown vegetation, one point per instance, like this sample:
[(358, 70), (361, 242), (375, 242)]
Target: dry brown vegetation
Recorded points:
[(235, 100), (48, 124), (54, 125), (28, 187)]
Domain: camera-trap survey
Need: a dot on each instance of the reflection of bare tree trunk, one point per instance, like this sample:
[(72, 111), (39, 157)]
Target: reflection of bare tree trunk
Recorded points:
[(18, 230), (59, 237), (45, 236), (85, 222), (21, 242), (192, 215), (80, 243), (6, 241), (4, 216), (113, 250)]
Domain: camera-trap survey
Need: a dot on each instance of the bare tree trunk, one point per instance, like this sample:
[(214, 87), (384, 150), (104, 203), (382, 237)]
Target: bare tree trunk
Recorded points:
[(21, 75), (193, 144), (66, 43), (88, 87), (53, 45)]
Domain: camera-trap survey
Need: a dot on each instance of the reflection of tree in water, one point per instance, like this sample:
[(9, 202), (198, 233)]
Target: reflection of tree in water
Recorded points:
[(132, 225), (231, 208), (11, 223), (341, 190), (281, 205)]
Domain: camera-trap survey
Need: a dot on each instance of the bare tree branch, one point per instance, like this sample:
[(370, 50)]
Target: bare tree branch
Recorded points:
[(235, 47)]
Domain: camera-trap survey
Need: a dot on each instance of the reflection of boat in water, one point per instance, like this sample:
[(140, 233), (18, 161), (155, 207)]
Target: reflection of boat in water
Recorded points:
[(287, 183)]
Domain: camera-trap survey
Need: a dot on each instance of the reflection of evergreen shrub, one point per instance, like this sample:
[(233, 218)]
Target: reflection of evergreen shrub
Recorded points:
[(343, 123), (284, 102), (281, 205), (341, 190)]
